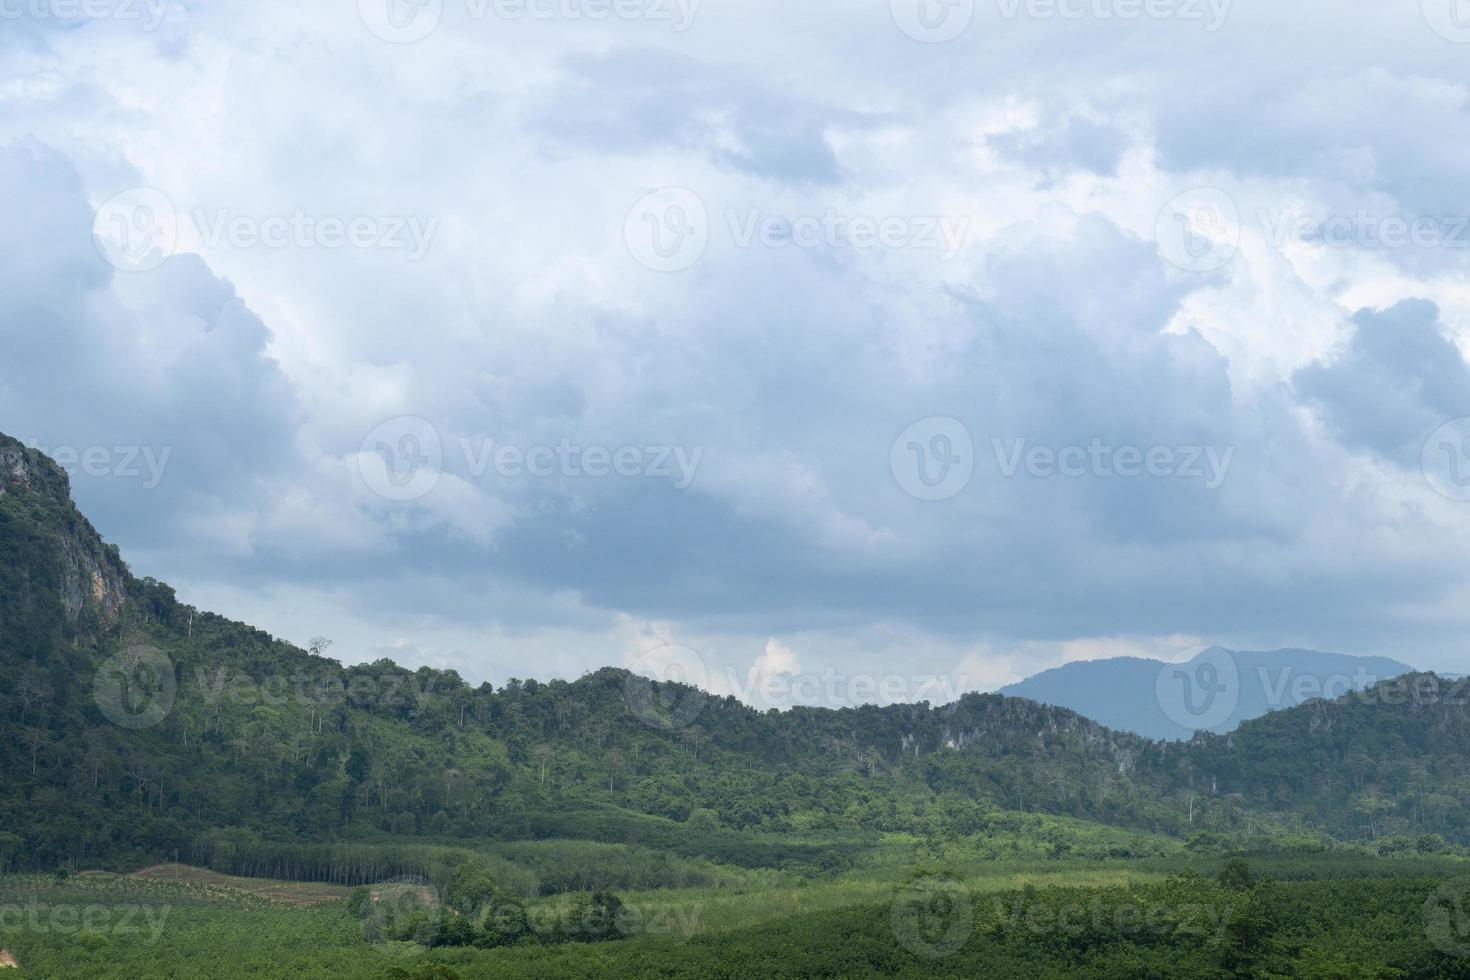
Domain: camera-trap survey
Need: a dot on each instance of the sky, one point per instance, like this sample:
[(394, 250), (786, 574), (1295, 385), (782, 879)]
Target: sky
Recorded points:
[(814, 350)]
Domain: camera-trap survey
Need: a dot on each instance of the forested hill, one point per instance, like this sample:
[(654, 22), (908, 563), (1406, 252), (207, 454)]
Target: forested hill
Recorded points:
[(137, 727)]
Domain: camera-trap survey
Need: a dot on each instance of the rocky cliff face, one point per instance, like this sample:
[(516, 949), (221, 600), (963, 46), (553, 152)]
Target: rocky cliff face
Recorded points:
[(88, 576), (15, 468), (91, 578)]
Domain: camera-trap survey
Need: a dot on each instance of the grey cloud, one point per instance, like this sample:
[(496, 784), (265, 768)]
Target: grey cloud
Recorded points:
[(1063, 145), (793, 370), (1392, 383), (628, 101), (169, 365), (1025, 556)]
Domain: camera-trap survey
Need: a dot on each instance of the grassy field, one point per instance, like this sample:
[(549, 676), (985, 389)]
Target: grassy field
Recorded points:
[(686, 912), (1348, 917), (174, 920)]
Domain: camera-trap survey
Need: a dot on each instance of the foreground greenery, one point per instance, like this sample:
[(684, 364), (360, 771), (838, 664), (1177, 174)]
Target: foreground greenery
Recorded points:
[(1263, 916)]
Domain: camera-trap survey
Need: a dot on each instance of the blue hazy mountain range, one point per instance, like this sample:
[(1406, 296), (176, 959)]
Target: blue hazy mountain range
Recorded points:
[(1214, 691)]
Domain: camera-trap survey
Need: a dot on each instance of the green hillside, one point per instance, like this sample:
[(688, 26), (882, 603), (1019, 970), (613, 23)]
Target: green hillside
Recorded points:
[(264, 741)]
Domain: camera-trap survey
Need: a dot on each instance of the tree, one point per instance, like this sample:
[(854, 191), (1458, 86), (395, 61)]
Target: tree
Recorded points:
[(32, 691), (1236, 876), (1374, 808), (595, 919), (36, 738), (614, 766), (10, 847)]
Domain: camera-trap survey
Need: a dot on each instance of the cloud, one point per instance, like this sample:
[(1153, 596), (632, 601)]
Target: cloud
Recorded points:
[(165, 379), (1375, 128), (1063, 143), (1396, 380), (632, 101), (776, 659), (1056, 324)]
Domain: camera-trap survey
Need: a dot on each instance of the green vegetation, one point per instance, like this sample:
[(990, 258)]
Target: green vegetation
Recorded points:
[(1213, 919)]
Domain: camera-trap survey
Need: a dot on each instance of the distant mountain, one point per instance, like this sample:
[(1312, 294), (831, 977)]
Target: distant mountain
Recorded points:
[(1214, 691)]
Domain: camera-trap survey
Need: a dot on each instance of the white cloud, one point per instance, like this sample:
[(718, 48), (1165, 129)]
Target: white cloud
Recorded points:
[(527, 319), (777, 659)]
